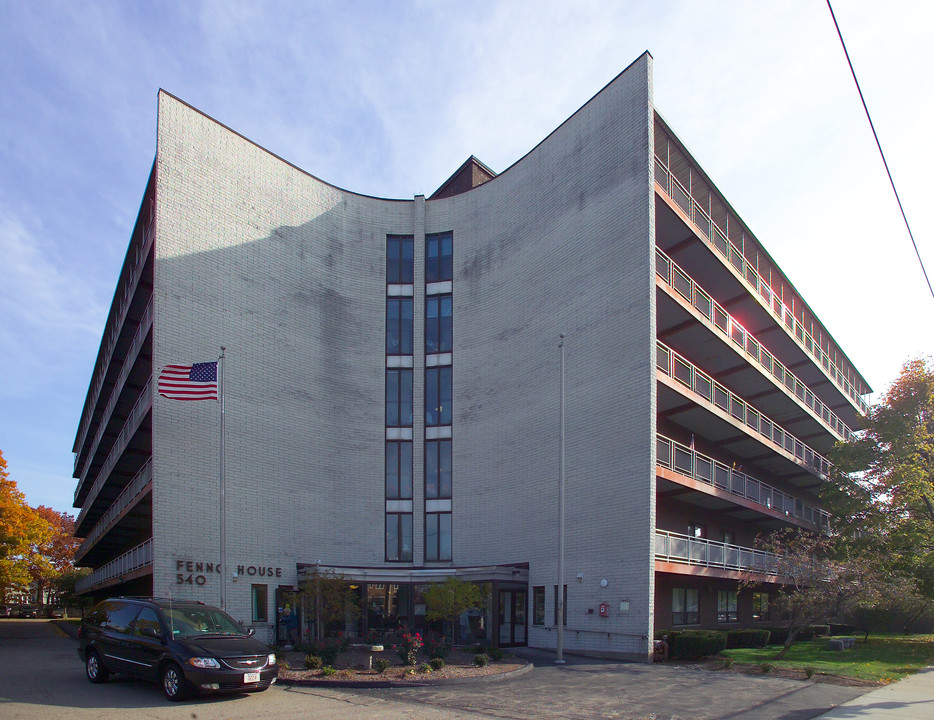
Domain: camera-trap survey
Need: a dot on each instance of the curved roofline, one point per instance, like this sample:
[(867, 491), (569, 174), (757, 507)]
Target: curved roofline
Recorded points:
[(279, 157)]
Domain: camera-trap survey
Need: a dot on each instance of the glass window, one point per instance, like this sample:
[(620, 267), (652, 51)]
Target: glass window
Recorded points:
[(538, 605), (439, 257), (259, 595), (439, 391), (726, 606), (399, 470), (438, 536), (437, 469), (399, 397), (399, 326), (684, 607), (399, 537), (147, 623), (564, 619), (728, 537), (120, 616), (760, 606), (439, 328), (697, 531), (400, 250)]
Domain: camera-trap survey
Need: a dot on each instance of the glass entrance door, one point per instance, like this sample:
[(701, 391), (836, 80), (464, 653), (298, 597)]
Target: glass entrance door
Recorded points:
[(512, 621)]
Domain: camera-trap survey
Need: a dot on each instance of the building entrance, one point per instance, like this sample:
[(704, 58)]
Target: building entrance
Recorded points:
[(512, 617)]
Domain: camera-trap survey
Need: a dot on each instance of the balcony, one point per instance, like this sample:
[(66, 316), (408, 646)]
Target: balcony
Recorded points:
[(718, 239), (690, 463), (684, 549), (130, 494), (136, 559), (732, 331), (685, 373)]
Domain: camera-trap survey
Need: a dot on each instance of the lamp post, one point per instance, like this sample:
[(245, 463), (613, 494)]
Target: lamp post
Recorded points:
[(559, 604)]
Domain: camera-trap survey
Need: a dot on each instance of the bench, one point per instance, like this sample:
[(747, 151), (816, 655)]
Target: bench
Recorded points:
[(842, 643)]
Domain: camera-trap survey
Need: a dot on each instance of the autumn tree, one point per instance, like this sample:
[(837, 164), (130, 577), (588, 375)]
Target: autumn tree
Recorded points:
[(50, 558), (21, 530), (327, 597), (820, 579), (447, 600), (882, 489)]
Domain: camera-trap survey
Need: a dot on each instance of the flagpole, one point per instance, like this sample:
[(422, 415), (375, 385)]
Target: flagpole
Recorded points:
[(223, 527)]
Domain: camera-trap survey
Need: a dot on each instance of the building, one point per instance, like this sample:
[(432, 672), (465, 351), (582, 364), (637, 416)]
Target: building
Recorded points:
[(392, 387)]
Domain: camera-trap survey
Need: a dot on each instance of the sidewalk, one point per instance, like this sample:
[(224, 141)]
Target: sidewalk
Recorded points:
[(908, 699)]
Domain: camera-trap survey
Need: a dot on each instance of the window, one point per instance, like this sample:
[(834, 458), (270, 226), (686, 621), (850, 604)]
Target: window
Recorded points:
[(684, 608), (728, 537), (147, 624), (437, 469), (439, 391), (439, 257), (538, 605), (120, 616), (438, 536), (726, 606), (399, 398), (259, 595), (760, 606), (399, 326), (399, 253), (565, 599), (697, 531), (399, 470), (439, 333), (399, 537)]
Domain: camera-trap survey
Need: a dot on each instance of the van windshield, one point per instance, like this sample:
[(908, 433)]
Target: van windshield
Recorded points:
[(193, 621)]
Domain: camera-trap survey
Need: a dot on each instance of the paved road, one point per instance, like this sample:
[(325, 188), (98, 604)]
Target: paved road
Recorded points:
[(42, 676)]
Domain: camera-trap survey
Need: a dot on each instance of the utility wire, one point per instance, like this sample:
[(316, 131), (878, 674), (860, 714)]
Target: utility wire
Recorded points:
[(879, 145)]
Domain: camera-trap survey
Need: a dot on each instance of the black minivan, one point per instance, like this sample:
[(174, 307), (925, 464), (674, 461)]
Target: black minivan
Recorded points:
[(186, 646)]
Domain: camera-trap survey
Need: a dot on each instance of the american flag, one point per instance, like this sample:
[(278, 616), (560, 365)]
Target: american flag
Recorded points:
[(189, 382)]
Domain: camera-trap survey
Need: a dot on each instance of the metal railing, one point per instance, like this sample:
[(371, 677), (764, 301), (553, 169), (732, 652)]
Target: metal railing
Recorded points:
[(124, 500), (138, 557), (684, 285), (675, 547), (719, 241), (140, 408), (135, 344), (112, 335), (686, 461), (677, 367)]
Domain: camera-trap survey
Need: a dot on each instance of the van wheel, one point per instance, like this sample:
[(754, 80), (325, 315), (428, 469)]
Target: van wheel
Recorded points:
[(173, 682), (97, 673)]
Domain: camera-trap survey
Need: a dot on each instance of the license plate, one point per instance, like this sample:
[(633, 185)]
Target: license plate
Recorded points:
[(250, 677)]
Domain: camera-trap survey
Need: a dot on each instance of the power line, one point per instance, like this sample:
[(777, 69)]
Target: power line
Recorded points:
[(879, 145)]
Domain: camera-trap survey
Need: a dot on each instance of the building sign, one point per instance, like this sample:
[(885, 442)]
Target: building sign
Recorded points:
[(196, 572)]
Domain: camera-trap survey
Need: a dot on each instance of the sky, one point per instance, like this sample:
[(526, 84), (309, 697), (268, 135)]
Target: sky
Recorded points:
[(388, 98)]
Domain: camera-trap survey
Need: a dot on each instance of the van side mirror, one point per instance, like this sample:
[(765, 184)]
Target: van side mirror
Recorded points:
[(251, 632)]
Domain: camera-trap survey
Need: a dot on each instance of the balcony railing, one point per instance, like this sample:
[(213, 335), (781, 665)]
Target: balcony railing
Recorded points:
[(675, 366), (112, 333), (719, 241), (685, 461), (142, 406), (678, 548), (123, 501), (138, 557), (135, 344), (685, 286)]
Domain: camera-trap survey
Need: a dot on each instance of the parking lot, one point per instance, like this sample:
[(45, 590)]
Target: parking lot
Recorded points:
[(43, 676)]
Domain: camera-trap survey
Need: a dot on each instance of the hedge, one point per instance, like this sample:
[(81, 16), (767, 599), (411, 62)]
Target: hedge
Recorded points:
[(780, 634), (691, 644), (748, 638)]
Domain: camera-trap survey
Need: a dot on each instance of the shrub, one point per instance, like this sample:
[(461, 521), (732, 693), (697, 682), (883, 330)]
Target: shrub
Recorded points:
[(437, 663), (747, 638), (766, 668), (728, 663), (408, 647), (382, 665), (328, 671), (809, 672), (424, 668), (780, 634), (474, 649), (842, 629), (481, 659), (313, 662), (692, 644), (437, 646), (496, 654), (283, 663)]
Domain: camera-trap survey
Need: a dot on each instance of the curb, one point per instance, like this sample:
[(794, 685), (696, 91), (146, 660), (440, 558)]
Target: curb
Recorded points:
[(382, 684)]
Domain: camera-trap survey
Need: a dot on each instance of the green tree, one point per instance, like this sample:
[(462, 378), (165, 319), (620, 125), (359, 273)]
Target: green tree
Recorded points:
[(820, 580), (447, 600), (22, 529), (882, 489), (327, 598)]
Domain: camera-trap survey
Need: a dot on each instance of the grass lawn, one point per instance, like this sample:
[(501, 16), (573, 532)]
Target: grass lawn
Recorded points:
[(883, 658)]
